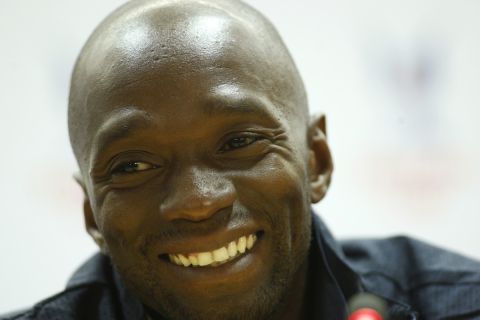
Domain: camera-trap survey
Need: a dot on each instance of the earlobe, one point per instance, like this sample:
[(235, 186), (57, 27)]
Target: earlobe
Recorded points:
[(320, 159), (90, 224)]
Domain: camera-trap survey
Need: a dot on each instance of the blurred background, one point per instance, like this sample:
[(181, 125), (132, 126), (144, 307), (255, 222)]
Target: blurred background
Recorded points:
[(399, 82)]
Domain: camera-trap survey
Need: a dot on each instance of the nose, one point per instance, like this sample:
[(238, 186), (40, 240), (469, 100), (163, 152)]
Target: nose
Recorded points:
[(196, 194)]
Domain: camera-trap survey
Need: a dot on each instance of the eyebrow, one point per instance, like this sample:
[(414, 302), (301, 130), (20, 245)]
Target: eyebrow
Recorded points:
[(227, 107), (118, 126), (227, 99)]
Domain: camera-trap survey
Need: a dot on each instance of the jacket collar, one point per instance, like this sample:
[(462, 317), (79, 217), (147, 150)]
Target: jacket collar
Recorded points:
[(335, 281)]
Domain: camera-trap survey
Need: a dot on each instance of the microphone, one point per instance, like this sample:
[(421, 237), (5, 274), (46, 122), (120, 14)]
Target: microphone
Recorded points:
[(366, 306)]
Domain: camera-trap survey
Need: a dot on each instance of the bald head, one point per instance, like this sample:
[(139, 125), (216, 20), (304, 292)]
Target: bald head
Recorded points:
[(149, 39)]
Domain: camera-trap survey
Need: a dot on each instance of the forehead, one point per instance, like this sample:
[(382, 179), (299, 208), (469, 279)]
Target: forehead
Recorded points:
[(187, 83), (154, 62), (176, 41)]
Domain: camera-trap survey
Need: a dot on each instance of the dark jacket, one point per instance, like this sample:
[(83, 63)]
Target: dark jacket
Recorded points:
[(417, 280)]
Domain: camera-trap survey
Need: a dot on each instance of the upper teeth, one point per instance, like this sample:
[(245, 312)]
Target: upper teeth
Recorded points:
[(217, 256)]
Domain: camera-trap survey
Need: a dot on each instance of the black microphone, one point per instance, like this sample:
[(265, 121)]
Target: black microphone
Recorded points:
[(366, 306)]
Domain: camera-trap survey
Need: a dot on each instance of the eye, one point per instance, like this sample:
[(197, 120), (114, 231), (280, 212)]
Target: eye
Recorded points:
[(239, 142), (132, 167)]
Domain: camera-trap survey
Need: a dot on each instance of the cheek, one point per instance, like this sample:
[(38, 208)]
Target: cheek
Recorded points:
[(120, 217), (277, 176), (278, 187)]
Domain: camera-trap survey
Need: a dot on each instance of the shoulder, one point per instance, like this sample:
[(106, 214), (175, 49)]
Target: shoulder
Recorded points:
[(438, 283), (62, 306), (87, 295), (81, 302)]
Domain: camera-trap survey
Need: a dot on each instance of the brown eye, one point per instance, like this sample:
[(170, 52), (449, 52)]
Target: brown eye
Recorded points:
[(132, 167), (239, 142)]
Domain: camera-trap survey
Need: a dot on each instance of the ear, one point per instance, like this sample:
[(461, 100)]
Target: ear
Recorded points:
[(320, 159), (90, 224)]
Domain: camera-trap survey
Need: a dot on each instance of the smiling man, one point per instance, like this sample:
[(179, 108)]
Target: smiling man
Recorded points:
[(198, 159), (199, 162)]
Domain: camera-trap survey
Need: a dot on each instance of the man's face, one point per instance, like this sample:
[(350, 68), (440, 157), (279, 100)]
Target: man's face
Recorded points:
[(197, 178)]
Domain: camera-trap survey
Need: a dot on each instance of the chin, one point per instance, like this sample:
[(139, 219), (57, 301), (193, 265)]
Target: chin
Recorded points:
[(227, 301), (259, 303)]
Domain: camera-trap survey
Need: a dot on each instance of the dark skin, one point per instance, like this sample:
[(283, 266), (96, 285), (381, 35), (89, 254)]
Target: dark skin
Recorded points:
[(190, 126)]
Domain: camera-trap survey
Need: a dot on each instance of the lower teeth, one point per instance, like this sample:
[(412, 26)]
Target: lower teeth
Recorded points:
[(216, 263)]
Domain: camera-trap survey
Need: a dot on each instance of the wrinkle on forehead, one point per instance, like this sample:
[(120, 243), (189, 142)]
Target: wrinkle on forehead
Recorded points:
[(174, 51)]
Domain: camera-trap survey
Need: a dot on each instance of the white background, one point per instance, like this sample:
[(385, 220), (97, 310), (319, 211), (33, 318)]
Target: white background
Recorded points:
[(398, 80)]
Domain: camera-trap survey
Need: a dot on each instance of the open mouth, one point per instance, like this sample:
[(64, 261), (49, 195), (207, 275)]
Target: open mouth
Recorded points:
[(230, 251)]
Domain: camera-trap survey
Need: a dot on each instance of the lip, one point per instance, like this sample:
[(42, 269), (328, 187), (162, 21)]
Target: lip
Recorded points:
[(208, 242)]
